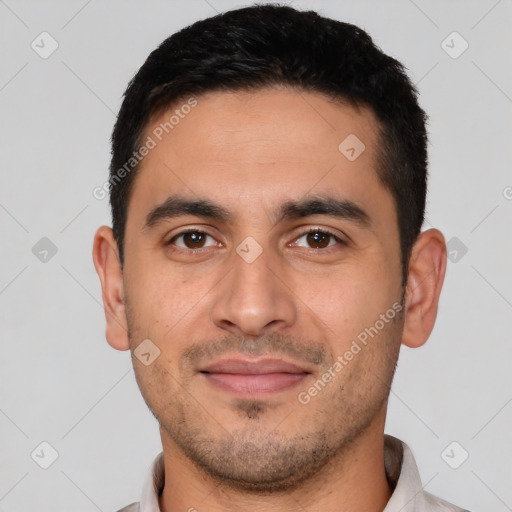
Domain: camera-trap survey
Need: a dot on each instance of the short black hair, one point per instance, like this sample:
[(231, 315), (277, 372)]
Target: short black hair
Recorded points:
[(275, 45)]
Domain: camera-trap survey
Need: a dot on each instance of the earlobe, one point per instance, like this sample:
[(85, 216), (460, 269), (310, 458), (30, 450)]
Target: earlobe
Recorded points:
[(106, 261), (427, 269)]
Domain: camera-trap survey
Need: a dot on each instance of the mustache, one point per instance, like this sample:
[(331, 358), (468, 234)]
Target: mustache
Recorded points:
[(273, 344)]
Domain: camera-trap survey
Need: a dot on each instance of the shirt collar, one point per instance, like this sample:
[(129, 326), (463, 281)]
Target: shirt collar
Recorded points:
[(401, 471), (153, 485), (403, 477)]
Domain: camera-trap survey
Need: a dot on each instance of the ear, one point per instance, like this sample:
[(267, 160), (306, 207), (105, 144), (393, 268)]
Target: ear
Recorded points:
[(427, 267), (105, 255)]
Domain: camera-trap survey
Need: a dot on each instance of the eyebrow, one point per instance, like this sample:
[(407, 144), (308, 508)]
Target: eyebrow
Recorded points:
[(176, 206)]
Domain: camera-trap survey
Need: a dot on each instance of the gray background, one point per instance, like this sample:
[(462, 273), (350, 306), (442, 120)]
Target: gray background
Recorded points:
[(60, 380)]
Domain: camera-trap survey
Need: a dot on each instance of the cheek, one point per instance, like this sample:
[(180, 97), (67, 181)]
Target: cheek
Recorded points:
[(350, 300), (168, 308), (161, 292)]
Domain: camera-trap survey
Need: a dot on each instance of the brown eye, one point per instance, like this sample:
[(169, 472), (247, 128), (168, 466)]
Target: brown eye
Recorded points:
[(318, 239), (191, 240)]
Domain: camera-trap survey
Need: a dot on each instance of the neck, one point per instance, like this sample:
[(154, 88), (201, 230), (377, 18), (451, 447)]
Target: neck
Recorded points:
[(353, 480)]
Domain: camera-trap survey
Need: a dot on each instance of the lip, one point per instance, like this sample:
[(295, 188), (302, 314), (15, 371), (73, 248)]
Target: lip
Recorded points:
[(253, 367), (253, 378)]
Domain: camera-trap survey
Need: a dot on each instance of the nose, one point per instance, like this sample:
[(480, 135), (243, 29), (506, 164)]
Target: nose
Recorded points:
[(254, 298)]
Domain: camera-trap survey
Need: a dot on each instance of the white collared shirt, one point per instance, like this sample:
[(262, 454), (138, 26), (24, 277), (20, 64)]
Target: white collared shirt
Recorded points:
[(401, 471)]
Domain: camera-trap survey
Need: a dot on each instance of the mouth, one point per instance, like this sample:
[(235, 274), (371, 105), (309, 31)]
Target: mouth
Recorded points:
[(253, 378)]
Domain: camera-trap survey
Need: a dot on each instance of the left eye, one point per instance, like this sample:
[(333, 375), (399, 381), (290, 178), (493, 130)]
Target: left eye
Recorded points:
[(318, 239)]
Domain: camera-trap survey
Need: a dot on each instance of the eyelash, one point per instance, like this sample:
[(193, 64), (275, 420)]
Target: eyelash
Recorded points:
[(313, 230)]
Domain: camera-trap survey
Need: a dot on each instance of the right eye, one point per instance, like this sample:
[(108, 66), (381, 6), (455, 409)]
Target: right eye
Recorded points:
[(192, 240)]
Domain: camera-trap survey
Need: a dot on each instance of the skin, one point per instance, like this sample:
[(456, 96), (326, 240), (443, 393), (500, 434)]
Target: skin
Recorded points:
[(250, 152)]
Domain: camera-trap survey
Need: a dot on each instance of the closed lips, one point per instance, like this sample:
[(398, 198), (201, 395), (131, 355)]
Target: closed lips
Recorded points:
[(246, 367)]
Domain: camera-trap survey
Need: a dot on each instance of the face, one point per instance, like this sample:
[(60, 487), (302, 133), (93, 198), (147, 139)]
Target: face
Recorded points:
[(265, 266)]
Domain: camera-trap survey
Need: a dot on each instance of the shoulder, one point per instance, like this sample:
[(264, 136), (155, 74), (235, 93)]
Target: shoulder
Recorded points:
[(438, 505), (134, 507)]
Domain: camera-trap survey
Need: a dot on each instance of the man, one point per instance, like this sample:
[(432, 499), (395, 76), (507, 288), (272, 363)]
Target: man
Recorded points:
[(267, 184)]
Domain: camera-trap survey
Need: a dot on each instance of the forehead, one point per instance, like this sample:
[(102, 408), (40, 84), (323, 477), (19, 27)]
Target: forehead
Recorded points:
[(276, 120), (261, 147)]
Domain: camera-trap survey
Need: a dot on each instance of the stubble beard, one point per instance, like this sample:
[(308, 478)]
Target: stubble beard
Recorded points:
[(253, 459)]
